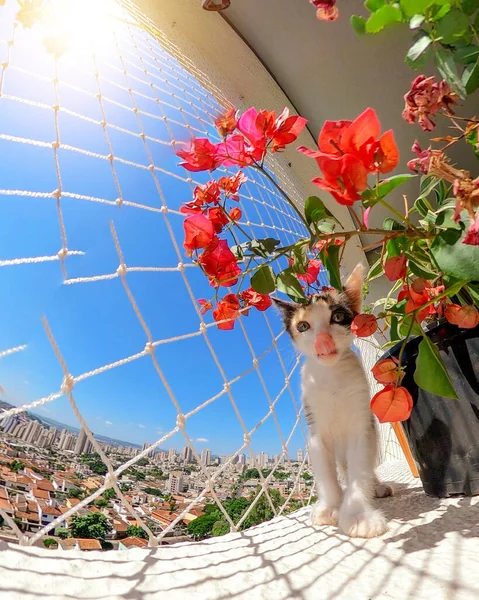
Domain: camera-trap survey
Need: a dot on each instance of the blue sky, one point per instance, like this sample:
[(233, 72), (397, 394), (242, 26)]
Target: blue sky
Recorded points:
[(94, 323)]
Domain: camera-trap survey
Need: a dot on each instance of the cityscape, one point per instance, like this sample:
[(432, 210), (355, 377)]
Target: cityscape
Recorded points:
[(45, 471)]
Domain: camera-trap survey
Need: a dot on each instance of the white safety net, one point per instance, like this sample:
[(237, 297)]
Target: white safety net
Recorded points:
[(137, 97)]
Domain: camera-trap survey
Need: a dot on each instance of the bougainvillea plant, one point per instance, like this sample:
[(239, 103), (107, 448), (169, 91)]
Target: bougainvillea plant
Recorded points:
[(429, 252)]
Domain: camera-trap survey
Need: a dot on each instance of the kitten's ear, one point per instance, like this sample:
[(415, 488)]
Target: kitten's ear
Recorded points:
[(353, 288), (287, 310)]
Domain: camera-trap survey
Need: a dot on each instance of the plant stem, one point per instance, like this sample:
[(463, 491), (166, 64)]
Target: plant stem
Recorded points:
[(285, 196), (399, 215)]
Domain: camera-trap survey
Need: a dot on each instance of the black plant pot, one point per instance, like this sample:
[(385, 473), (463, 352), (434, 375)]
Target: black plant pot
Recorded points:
[(443, 433)]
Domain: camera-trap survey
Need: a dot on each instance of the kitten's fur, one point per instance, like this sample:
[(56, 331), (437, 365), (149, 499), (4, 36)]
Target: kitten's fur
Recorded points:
[(336, 403)]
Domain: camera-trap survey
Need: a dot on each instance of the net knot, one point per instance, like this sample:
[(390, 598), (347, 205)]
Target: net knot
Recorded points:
[(57, 194), (164, 209), (121, 270), (110, 157), (226, 387), (55, 144), (67, 384), (149, 348), (63, 253), (286, 379), (119, 201), (151, 167), (247, 438), (202, 328), (103, 123), (110, 480), (4, 65), (181, 266), (56, 107), (180, 420), (255, 362)]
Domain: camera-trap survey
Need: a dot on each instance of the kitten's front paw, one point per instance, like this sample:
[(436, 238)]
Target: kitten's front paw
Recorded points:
[(383, 490), (368, 524), (324, 515)]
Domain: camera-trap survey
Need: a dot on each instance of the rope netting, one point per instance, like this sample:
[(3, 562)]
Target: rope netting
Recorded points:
[(131, 103)]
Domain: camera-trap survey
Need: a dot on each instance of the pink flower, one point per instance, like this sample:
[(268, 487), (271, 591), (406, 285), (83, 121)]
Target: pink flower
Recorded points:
[(472, 236), (421, 163), (199, 232), (199, 155), (232, 151), (425, 98), (326, 9)]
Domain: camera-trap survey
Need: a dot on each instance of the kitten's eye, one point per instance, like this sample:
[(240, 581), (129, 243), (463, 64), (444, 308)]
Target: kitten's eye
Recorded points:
[(338, 317), (303, 326)]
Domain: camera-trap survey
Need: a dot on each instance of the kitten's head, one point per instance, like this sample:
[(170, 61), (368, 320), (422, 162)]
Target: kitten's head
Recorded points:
[(321, 329)]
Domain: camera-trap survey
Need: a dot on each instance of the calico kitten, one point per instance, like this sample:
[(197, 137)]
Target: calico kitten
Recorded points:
[(336, 402)]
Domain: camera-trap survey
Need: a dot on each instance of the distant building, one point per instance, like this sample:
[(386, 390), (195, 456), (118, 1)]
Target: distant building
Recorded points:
[(187, 455), (262, 460), (82, 443), (205, 457), (241, 459), (176, 482), (171, 455), (300, 455)]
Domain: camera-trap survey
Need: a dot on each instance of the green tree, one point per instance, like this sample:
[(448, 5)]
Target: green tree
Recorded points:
[(251, 474), (75, 493), (63, 533), (101, 502), (135, 531), (307, 476), (109, 494), (262, 510), (202, 527), (236, 508), (152, 491), (92, 525), (16, 465), (281, 475), (220, 528), (142, 462), (97, 467), (49, 542)]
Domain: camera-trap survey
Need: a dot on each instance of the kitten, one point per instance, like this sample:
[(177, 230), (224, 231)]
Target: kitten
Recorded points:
[(336, 403)]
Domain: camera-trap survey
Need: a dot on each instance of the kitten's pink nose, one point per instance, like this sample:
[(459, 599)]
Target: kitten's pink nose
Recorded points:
[(324, 344)]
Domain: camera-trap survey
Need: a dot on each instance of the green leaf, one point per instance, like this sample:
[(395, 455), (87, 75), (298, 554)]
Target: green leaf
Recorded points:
[(394, 331), (455, 258), (473, 289), (431, 374), (415, 7), (385, 187), (469, 7), (359, 24), (405, 326), (466, 55), (263, 280), (392, 225), (421, 206), (440, 10), (472, 138), (447, 68), (420, 270), (300, 256), (416, 21), (418, 48), (375, 271), (452, 26), (287, 283), (428, 183), (315, 210), (373, 5), (386, 15), (330, 260), (470, 77), (263, 247)]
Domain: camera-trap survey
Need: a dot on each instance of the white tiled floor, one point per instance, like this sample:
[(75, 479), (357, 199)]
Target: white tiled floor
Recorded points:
[(430, 552)]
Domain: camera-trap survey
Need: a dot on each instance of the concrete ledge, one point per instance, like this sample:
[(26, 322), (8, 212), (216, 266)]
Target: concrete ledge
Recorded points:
[(430, 551)]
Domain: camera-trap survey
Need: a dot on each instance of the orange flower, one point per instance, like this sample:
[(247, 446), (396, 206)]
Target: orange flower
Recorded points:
[(392, 404), (344, 177), (395, 268), (205, 306), (226, 123), (217, 216), (364, 325), (466, 317), (231, 185), (199, 232), (235, 214), (254, 298), (387, 371)]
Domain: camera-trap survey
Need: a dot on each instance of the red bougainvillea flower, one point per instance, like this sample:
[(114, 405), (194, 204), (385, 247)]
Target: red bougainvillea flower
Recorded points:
[(199, 155), (226, 123), (326, 9), (219, 263), (344, 177), (254, 298), (359, 138), (205, 306), (199, 231), (312, 272), (395, 268), (425, 98), (364, 325), (421, 163), (208, 193), (419, 293), (217, 216), (286, 130), (228, 309), (232, 151), (466, 317), (392, 404), (261, 128), (472, 235), (387, 371), (190, 208), (231, 185), (235, 214)]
